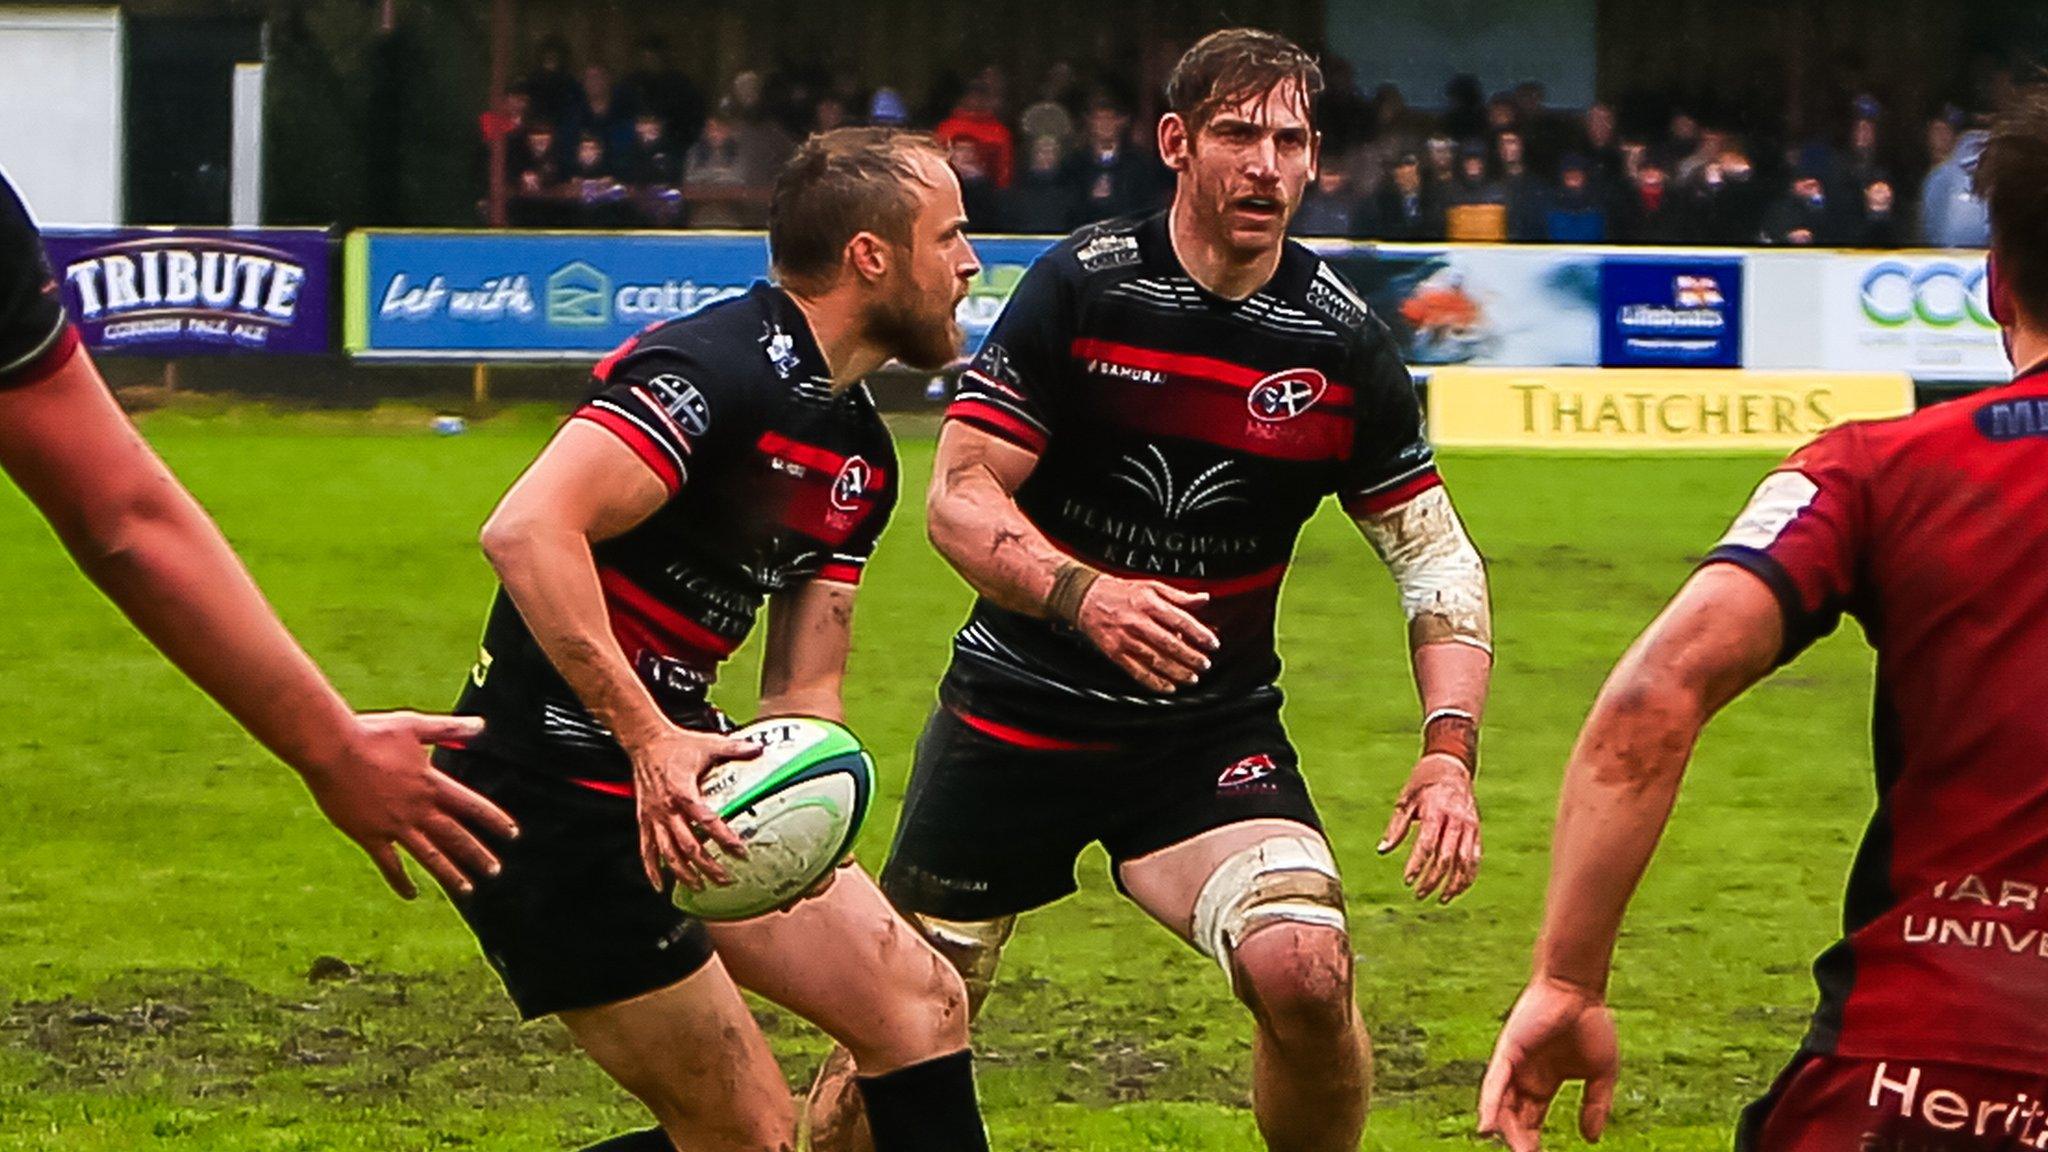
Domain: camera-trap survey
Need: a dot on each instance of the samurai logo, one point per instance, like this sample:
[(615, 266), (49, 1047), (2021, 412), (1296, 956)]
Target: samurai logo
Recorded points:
[(1285, 395), (1155, 480), (683, 401), (852, 485)]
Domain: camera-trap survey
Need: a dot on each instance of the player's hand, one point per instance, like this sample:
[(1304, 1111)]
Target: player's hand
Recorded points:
[(382, 792), (1438, 801), (1148, 629), (674, 819), (1557, 1032)]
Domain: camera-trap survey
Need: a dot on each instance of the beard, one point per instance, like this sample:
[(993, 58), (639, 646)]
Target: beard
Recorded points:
[(914, 333)]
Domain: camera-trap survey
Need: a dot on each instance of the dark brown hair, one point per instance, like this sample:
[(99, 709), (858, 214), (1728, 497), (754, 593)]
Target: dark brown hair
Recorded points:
[(839, 184), (1233, 65), (2012, 180)]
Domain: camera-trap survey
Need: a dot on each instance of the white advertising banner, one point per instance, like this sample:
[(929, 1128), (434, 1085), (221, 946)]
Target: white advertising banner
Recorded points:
[(1924, 313)]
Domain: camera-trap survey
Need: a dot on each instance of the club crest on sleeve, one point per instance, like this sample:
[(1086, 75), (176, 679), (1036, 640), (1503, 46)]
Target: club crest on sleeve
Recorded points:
[(683, 401), (855, 483), (1285, 395)]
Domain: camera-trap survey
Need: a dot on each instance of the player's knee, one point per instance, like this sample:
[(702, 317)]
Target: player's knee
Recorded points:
[(1296, 979), (973, 948), (923, 1011)]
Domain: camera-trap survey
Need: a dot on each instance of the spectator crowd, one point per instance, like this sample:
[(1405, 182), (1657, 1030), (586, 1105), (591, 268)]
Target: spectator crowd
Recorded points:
[(586, 148)]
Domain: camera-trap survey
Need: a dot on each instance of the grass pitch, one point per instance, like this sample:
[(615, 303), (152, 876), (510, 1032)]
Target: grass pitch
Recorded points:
[(190, 958)]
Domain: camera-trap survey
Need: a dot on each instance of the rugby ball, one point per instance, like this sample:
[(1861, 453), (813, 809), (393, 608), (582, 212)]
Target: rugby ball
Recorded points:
[(798, 806)]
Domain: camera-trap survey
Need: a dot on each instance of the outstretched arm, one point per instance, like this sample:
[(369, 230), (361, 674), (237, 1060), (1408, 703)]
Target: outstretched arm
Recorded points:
[(1146, 627), (142, 538), (1442, 580), (1721, 634)]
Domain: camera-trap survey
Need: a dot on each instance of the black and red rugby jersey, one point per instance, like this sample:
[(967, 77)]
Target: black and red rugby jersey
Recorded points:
[(773, 481), (35, 337), (1932, 532), (1182, 437)]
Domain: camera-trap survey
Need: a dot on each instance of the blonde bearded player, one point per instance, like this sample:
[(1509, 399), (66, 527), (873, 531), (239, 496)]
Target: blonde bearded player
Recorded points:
[(1161, 407)]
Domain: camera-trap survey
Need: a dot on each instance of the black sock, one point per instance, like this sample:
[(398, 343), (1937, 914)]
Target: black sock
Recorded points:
[(928, 1107), (645, 1140)]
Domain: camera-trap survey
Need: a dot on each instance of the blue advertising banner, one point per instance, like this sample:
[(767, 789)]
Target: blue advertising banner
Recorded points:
[(1671, 312), (481, 295), (196, 291)]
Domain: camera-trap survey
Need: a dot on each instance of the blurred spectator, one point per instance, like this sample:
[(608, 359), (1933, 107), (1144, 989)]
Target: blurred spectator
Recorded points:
[(656, 159), (748, 96), (974, 122), (538, 187), (1605, 171), (1407, 208), (1802, 216), (1441, 170), (828, 112), (601, 200), (1464, 116), (657, 85), (600, 113), (1951, 216), (1109, 177), (887, 108), (1681, 139), (1476, 206), (1941, 137), (1050, 117), (1575, 213), (979, 195), (1877, 225), (1545, 134), (1859, 165), (1727, 201), (507, 122), (1650, 213), (1500, 114), (1331, 206), (553, 91), (1041, 202), (714, 173), (1525, 194)]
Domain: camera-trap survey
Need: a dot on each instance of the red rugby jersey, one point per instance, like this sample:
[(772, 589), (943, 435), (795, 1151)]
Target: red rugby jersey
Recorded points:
[(1932, 532)]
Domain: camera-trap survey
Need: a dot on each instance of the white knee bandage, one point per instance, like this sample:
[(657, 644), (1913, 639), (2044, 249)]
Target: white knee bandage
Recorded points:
[(1282, 880)]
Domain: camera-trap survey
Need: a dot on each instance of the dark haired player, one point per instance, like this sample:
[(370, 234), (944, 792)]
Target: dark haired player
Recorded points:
[(724, 459), (1161, 407), (1932, 1027), (147, 544)]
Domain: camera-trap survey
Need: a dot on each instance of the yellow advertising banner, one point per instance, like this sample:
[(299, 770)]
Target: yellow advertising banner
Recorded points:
[(1630, 409)]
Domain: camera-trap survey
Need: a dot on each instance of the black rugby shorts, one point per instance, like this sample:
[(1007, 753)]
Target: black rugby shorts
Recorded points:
[(995, 816), (571, 921)]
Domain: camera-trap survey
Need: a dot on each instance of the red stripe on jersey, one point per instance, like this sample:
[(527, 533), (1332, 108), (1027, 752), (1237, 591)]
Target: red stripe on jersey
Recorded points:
[(605, 786), (808, 455), (643, 446), (995, 421), (1183, 364), (1224, 419), (631, 596), (841, 571), (1388, 499), (1035, 741), (603, 372), (46, 365)]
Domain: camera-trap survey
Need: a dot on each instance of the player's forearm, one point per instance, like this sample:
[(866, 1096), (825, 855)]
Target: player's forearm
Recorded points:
[(163, 562), (1452, 678), (1619, 788), (552, 579), (976, 525)]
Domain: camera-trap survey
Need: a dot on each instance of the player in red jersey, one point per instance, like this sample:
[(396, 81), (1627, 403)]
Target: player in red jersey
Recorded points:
[(1932, 1026), (147, 544), (1163, 404)]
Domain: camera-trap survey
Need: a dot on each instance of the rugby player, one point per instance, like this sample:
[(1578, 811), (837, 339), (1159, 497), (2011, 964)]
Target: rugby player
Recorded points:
[(1122, 476), (724, 459), (137, 534), (1932, 1025)]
